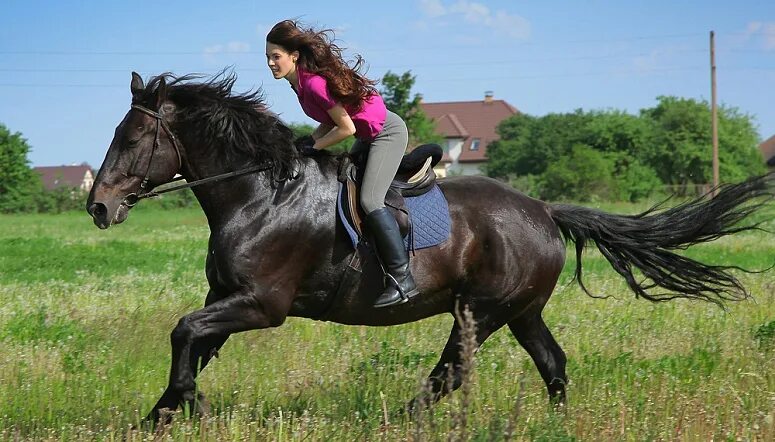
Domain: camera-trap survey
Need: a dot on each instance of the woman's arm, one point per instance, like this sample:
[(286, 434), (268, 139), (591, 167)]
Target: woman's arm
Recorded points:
[(321, 130), (344, 127)]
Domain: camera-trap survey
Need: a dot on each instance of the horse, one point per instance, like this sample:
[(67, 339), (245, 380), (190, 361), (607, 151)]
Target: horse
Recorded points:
[(276, 248)]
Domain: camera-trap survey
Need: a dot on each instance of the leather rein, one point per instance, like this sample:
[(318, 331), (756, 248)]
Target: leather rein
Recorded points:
[(133, 198)]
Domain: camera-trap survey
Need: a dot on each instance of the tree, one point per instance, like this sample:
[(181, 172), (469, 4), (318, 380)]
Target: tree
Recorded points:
[(19, 184), (529, 144), (581, 175), (396, 91), (680, 150), (667, 144)]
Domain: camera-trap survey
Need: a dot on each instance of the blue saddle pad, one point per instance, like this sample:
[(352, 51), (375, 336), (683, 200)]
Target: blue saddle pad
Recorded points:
[(428, 213)]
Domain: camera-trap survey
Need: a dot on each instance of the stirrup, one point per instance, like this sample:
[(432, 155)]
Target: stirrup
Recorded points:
[(393, 295), (396, 299)]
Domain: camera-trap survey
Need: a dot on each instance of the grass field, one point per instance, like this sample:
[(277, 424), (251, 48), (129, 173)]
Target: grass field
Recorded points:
[(86, 314)]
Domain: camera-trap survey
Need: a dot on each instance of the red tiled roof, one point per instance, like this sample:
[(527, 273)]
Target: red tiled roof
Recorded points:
[(768, 150), (62, 176), (470, 120), (450, 126)]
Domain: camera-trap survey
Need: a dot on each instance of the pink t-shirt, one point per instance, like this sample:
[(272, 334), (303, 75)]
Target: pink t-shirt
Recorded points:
[(316, 101)]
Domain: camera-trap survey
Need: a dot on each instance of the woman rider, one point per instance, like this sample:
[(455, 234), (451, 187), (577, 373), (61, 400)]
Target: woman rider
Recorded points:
[(346, 103)]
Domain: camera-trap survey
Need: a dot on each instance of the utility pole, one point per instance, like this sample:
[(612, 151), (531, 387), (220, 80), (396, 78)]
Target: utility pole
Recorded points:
[(714, 111)]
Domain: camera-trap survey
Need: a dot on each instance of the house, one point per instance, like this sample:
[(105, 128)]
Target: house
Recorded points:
[(53, 177), (468, 128), (767, 149)]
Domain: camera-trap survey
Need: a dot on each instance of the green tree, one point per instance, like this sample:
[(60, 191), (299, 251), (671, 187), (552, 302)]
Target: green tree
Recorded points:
[(529, 144), (667, 144), (20, 186), (624, 139), (680, 150), (397, 93), (584, 174)]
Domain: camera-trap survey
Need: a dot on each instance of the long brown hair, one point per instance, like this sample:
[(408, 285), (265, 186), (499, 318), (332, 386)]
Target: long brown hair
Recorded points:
[(320, 55)]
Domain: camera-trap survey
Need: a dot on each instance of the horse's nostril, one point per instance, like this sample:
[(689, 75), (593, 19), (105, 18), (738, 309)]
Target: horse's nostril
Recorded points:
[(98, 210)]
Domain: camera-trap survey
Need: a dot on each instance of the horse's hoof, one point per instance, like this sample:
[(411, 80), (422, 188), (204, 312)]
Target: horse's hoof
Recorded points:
[(197, 406), (157, 419)]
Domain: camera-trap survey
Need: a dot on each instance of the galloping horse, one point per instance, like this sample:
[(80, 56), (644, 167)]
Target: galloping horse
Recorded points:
[(276, 248)]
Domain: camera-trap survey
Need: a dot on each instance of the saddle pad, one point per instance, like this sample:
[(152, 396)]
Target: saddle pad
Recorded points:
[(428, 213)]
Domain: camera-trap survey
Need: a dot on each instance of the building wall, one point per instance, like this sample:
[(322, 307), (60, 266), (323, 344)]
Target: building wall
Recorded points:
[(88, 181), (464, 169), (454, 148)]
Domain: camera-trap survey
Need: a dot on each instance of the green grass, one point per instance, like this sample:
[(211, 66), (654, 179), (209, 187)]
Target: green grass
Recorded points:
[(86, 314)]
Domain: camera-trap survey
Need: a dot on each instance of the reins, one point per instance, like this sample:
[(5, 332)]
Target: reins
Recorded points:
[(133, 198)]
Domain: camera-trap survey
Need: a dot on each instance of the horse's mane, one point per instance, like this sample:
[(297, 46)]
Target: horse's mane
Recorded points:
[(239, 126)]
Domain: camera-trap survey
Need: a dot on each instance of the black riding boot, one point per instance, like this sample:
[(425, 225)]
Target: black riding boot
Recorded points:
[(399, 284)]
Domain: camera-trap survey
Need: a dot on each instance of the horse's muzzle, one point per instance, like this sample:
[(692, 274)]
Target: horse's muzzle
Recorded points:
[(99, 213), (104, 218)]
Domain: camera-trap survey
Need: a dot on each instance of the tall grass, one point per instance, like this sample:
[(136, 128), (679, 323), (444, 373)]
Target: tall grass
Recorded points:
[(86, 314)]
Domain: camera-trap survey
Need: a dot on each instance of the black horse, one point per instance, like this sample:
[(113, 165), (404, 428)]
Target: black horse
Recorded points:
[(276, 248)]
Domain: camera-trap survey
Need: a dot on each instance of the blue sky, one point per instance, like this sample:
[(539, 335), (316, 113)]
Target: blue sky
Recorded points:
[(65, 66)]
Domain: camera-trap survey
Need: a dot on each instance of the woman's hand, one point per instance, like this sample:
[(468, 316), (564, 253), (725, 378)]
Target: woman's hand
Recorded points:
[(305, 145)]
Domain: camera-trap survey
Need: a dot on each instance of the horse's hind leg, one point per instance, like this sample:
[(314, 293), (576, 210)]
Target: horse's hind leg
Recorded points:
[(450, 363), (534, 336)]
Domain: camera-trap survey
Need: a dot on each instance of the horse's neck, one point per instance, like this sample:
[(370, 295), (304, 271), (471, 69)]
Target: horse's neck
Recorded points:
[(223, 200)]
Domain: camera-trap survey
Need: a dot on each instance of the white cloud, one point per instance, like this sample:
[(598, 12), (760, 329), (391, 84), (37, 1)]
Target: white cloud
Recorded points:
[(762, 32), (213, 49), (472, 12), (514, 26), (231, 47), (658, 60), (502, 22), (212, 52), (432, 8), (753, 27), (768, 33)]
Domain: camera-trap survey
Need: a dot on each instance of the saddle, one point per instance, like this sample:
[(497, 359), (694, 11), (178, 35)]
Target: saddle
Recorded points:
[(415, 177)]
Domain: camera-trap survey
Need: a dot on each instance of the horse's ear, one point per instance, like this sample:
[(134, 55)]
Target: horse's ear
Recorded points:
[(161, 93), (137, 87)]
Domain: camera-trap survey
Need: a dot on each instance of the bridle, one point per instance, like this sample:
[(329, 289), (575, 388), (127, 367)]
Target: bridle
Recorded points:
[(133, 198)]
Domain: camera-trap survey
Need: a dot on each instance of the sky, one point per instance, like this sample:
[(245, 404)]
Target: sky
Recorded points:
[(65, 66)]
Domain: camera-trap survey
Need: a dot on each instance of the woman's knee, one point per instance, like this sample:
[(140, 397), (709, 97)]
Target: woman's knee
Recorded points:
[(370, 204)]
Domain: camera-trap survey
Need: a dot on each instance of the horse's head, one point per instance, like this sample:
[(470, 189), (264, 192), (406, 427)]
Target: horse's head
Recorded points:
[(144, 153)]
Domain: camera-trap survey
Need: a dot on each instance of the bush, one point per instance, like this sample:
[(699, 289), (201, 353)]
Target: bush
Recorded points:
[(584, 175), (61, 199)]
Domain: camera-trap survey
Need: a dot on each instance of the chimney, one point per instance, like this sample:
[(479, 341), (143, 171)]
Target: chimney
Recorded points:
[(419, 98), (488, 97)]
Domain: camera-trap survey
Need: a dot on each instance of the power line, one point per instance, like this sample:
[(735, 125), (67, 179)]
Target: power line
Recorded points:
[(517, 77), (453, 64), (373, 49)]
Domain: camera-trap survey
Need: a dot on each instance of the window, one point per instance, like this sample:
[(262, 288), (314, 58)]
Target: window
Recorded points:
[(475, 144)]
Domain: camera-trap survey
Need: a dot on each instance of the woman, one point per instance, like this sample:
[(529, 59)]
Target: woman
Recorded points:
[(346, 103)]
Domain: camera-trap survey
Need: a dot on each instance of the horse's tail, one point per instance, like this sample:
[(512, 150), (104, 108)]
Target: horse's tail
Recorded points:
[(647, 241)]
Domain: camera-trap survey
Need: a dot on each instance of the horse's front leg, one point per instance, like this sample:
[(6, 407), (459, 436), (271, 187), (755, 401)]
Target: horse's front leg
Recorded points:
[(201, 352), (196, 337)]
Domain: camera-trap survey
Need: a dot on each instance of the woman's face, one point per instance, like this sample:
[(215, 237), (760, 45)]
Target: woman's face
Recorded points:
[(280, 61)]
